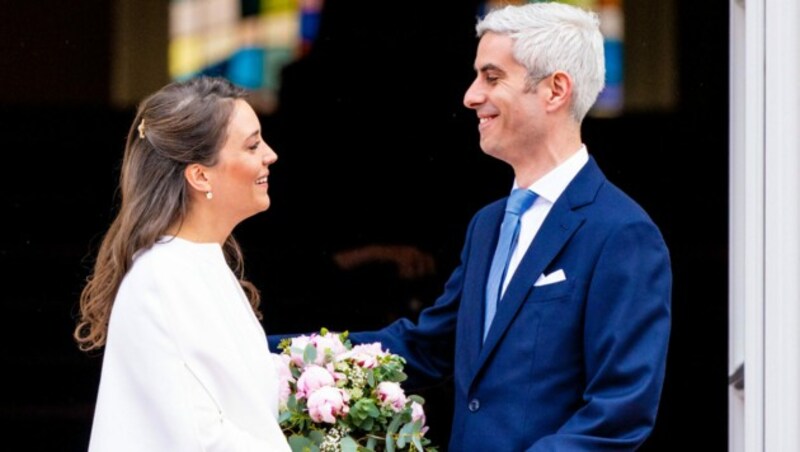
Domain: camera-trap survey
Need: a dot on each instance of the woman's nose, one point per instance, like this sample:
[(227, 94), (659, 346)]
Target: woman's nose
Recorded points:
[(270, 156)]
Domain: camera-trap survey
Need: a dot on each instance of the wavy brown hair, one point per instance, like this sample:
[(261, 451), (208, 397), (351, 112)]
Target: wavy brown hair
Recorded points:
[(181, 124)]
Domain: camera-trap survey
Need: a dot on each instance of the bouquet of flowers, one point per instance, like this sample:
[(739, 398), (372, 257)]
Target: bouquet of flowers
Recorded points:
[(339, 397)]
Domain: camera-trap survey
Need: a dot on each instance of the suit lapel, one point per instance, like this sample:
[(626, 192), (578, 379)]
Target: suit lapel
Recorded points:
[(483, 243), (561, 223)]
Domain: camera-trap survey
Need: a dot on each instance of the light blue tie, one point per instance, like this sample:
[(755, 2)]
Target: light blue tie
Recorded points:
[(519, 201)]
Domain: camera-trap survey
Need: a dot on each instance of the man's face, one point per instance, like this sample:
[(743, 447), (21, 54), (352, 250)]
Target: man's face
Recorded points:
[(511, 116)]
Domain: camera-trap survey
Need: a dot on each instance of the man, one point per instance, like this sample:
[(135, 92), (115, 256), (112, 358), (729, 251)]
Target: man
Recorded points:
[(555, 325), (556, 334)]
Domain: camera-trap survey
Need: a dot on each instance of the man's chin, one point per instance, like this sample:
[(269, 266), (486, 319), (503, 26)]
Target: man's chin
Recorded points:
[(490, 150)]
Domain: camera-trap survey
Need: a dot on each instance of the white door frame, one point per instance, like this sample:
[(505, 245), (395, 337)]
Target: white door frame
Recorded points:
[(764, 262)]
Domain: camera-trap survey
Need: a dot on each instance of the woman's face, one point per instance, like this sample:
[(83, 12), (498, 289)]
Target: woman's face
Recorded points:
[(239, 179)]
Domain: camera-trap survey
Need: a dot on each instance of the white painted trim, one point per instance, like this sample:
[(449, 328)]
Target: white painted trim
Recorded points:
[(782, 227), (765, 224), (737, 237), (754, 226), (746, 264)]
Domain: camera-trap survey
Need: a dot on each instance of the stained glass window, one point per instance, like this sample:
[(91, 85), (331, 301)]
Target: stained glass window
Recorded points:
[(246, 41)]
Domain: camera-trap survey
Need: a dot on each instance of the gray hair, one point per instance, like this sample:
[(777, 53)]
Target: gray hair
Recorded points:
[(549, 37)]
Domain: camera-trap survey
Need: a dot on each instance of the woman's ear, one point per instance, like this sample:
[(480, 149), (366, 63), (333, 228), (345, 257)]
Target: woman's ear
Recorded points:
[(560, 90), (197, 177)]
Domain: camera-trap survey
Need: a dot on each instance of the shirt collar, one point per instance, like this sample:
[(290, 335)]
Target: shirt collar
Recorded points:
[(551, 185)]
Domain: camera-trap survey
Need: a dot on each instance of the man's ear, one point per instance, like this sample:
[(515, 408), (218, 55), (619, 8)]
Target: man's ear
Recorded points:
[(197, 177), (561, 86)]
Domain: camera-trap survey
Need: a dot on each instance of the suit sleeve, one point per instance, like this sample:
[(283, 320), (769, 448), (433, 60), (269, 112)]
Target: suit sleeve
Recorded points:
[(428, 345), (626, 333)]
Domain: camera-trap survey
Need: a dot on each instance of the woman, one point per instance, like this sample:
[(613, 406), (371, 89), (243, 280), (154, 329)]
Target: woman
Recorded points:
[(186, 363)]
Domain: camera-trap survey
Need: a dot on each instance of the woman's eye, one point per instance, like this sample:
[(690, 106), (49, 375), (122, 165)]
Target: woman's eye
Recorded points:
[(254, 146)]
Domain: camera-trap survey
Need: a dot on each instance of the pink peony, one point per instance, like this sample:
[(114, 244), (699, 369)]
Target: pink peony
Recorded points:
[(417, 414), (336, 375), (326, 403), (365, 355), (391, 394), (284, 377), (328, 344), (313, 378)]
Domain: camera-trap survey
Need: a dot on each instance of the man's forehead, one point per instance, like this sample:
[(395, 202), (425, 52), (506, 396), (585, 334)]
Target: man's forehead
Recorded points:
[(495, 52)]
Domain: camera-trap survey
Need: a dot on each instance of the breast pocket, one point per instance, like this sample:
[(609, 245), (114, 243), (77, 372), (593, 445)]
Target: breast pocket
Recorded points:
[(549, 293)]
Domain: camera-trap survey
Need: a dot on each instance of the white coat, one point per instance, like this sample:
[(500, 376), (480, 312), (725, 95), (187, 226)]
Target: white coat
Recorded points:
[(186, 364)]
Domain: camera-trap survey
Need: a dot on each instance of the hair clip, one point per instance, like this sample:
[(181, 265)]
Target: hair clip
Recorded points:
[(141, 129)]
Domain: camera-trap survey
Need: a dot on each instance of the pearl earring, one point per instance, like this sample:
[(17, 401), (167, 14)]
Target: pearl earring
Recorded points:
[(209, 195)]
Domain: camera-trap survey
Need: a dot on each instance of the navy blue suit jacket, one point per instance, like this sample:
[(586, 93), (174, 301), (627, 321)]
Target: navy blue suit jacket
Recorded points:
[(575, 365)]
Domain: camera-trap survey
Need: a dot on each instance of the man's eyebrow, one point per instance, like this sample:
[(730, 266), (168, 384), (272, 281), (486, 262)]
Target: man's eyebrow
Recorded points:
[(489, 67)]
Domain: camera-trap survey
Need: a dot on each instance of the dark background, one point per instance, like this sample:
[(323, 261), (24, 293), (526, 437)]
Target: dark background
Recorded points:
[(371, 107)]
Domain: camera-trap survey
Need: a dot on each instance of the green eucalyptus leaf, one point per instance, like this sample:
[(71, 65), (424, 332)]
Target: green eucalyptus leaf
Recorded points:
[(295, 374), (401, 441), (394, 425), (417, 442), (349, 444), (368, 424), (405, 434), (309, 354), (302, 444), (398, 376), (389, 443), (317, 436)]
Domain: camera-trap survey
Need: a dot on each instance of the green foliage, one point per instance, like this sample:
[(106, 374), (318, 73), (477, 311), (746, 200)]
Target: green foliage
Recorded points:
[(309, 354), (364, 413), (366, 423)]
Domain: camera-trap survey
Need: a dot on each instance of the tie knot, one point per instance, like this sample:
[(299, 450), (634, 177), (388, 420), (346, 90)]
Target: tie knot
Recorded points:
[(520, 201)]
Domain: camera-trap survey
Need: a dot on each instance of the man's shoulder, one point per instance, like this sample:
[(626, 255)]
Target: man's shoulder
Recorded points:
[(617, 204), (614, 212)]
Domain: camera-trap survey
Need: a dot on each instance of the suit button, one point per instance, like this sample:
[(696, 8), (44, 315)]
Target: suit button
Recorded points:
[(474, 405)]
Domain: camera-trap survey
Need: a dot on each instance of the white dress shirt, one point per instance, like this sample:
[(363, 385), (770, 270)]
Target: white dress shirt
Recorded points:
[(549, 187), (186, 365)]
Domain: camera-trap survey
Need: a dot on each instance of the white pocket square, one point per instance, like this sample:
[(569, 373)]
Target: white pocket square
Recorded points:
[(552, 278)]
